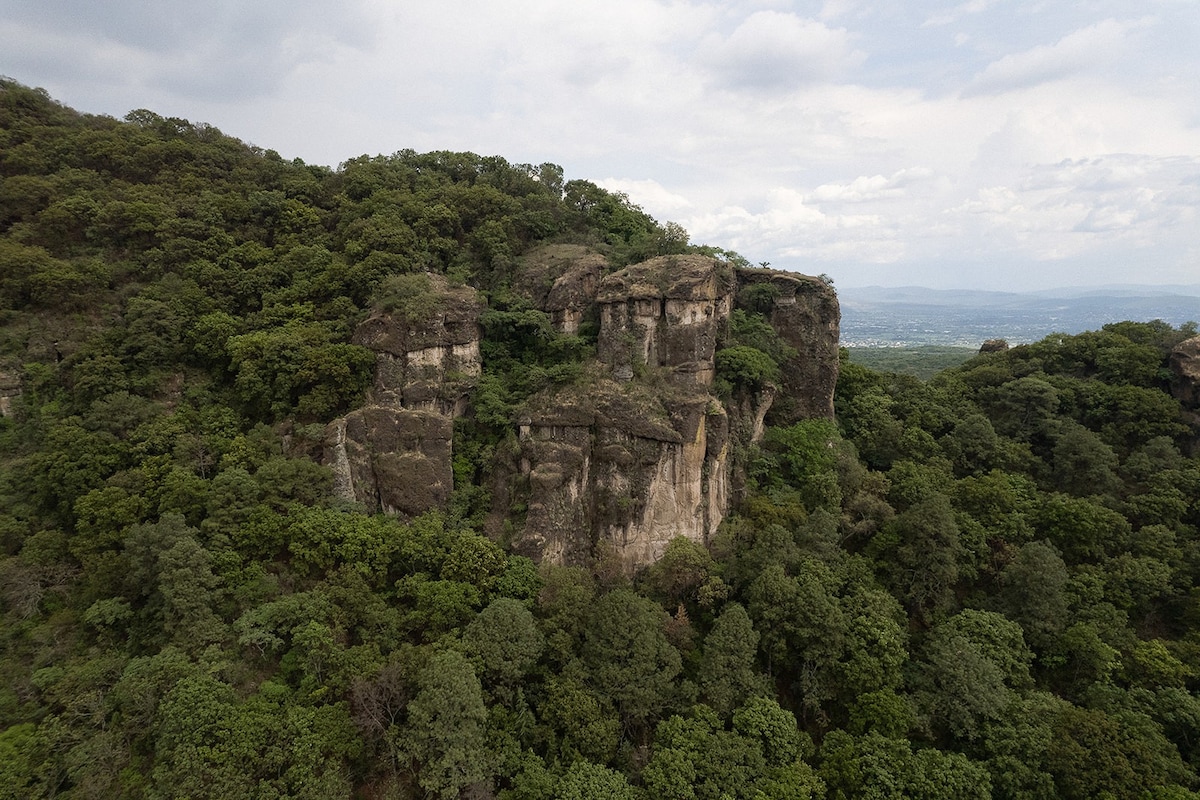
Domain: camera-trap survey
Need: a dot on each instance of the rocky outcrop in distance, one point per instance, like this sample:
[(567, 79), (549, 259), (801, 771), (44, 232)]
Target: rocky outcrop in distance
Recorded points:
[(636, 452)]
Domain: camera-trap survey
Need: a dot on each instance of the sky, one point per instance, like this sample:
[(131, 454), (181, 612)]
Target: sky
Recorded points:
[(979, 144)]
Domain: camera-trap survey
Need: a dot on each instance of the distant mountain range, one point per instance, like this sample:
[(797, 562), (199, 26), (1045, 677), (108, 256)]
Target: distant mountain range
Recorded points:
[(876, 316)]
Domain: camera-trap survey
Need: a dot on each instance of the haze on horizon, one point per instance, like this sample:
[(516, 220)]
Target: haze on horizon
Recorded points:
[(980, 144)]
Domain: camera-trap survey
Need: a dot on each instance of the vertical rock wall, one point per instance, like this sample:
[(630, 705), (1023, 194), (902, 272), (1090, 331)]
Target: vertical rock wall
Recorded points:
[(633, 455), (642, 455), (394, 453)]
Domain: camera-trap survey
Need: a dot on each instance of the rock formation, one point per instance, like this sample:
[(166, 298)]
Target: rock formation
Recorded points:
[(10, 391), (641, 452), (393, 454), (636, 452), (1185, 367)]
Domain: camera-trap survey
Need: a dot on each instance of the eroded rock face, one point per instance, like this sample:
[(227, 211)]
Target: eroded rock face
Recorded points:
[(394, 453), (630, 462), (614, 463), (562, 280), (806, 315), (1185, 366), (10, 391), (665, 312), (633, 455)]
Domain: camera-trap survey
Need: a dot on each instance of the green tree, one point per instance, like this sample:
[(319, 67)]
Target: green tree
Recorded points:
[(728, 672), (628, 657), (445, 731), (505, 642)]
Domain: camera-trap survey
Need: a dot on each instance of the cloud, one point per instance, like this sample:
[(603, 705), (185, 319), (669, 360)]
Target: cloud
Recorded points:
[(223, 50), (649, 194), (855, 132), (864, 188), (772, 50), (958, 12), (1088, 206), (1080, 51)]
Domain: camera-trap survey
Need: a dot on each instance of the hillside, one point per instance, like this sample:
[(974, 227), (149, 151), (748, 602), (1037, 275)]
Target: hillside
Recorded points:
[(434, 475)]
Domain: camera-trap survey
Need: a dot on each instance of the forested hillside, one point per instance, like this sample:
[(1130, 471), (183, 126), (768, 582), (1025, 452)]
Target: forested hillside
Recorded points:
[(984, 585)]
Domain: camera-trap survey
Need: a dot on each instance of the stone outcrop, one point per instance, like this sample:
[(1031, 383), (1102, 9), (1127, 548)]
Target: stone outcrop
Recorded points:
[(804, 312), (562, 280), (618, 463), (10, 391), (393, 454), (640, 453), (1185, 368), (638, 450), (666, 312)]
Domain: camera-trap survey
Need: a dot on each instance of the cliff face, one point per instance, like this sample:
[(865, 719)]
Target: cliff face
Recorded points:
[(636, 452), (805, 314), (393, 454), (1185, 367), (641, 455)]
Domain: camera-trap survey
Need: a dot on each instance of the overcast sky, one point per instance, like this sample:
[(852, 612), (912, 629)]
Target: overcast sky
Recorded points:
[(978, 144)]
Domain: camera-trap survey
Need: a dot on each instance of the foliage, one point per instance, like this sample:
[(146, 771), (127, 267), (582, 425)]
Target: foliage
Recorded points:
[(982, 584)]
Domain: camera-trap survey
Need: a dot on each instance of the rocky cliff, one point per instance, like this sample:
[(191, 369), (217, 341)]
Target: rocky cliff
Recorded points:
[(638, 450), (1185, 385), (394, 453)]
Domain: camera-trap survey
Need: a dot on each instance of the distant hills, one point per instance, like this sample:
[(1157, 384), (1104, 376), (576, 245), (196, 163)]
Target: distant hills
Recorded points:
[(876, 316)]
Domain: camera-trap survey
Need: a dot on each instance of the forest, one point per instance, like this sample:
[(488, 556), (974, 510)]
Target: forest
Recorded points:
[(985, 584)]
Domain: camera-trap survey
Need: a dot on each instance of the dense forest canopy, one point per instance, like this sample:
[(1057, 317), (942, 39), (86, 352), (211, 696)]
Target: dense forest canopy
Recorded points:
[(983, 585)]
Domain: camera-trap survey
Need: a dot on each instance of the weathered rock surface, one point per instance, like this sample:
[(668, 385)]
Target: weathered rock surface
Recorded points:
[(642, 456), (807, 317), (10, 391), (621, 464), (634, 454), (561, 280), (665, 312), (1185, 366), (394, 453)]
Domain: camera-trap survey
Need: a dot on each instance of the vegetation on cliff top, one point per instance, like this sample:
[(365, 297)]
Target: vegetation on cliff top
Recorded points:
[(982, 585)]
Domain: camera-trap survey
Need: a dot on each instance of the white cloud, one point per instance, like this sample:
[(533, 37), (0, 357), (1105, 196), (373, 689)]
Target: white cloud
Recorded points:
[(864, 188), (958, 12), (869, 133), (772, 49), (1098, 44), (650, 195)]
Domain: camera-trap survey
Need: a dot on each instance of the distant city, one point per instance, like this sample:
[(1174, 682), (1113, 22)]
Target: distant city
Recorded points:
[(912, 316)]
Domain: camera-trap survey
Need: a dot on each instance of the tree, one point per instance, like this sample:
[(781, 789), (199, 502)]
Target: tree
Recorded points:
[(587, 781), (919, 552), (972, 665), (1033, 593), (505, 642), (628, 657), (728, 672), (445, 732)]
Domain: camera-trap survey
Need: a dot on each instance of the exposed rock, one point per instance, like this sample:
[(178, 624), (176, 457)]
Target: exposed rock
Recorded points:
[(394, 453), (430, 362), (392, 459), (634, 463), (621, 464), (1185, 367), (635, 453), (994, 346), (562, 280), (665, 312), (10, 391), (806, 315)]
